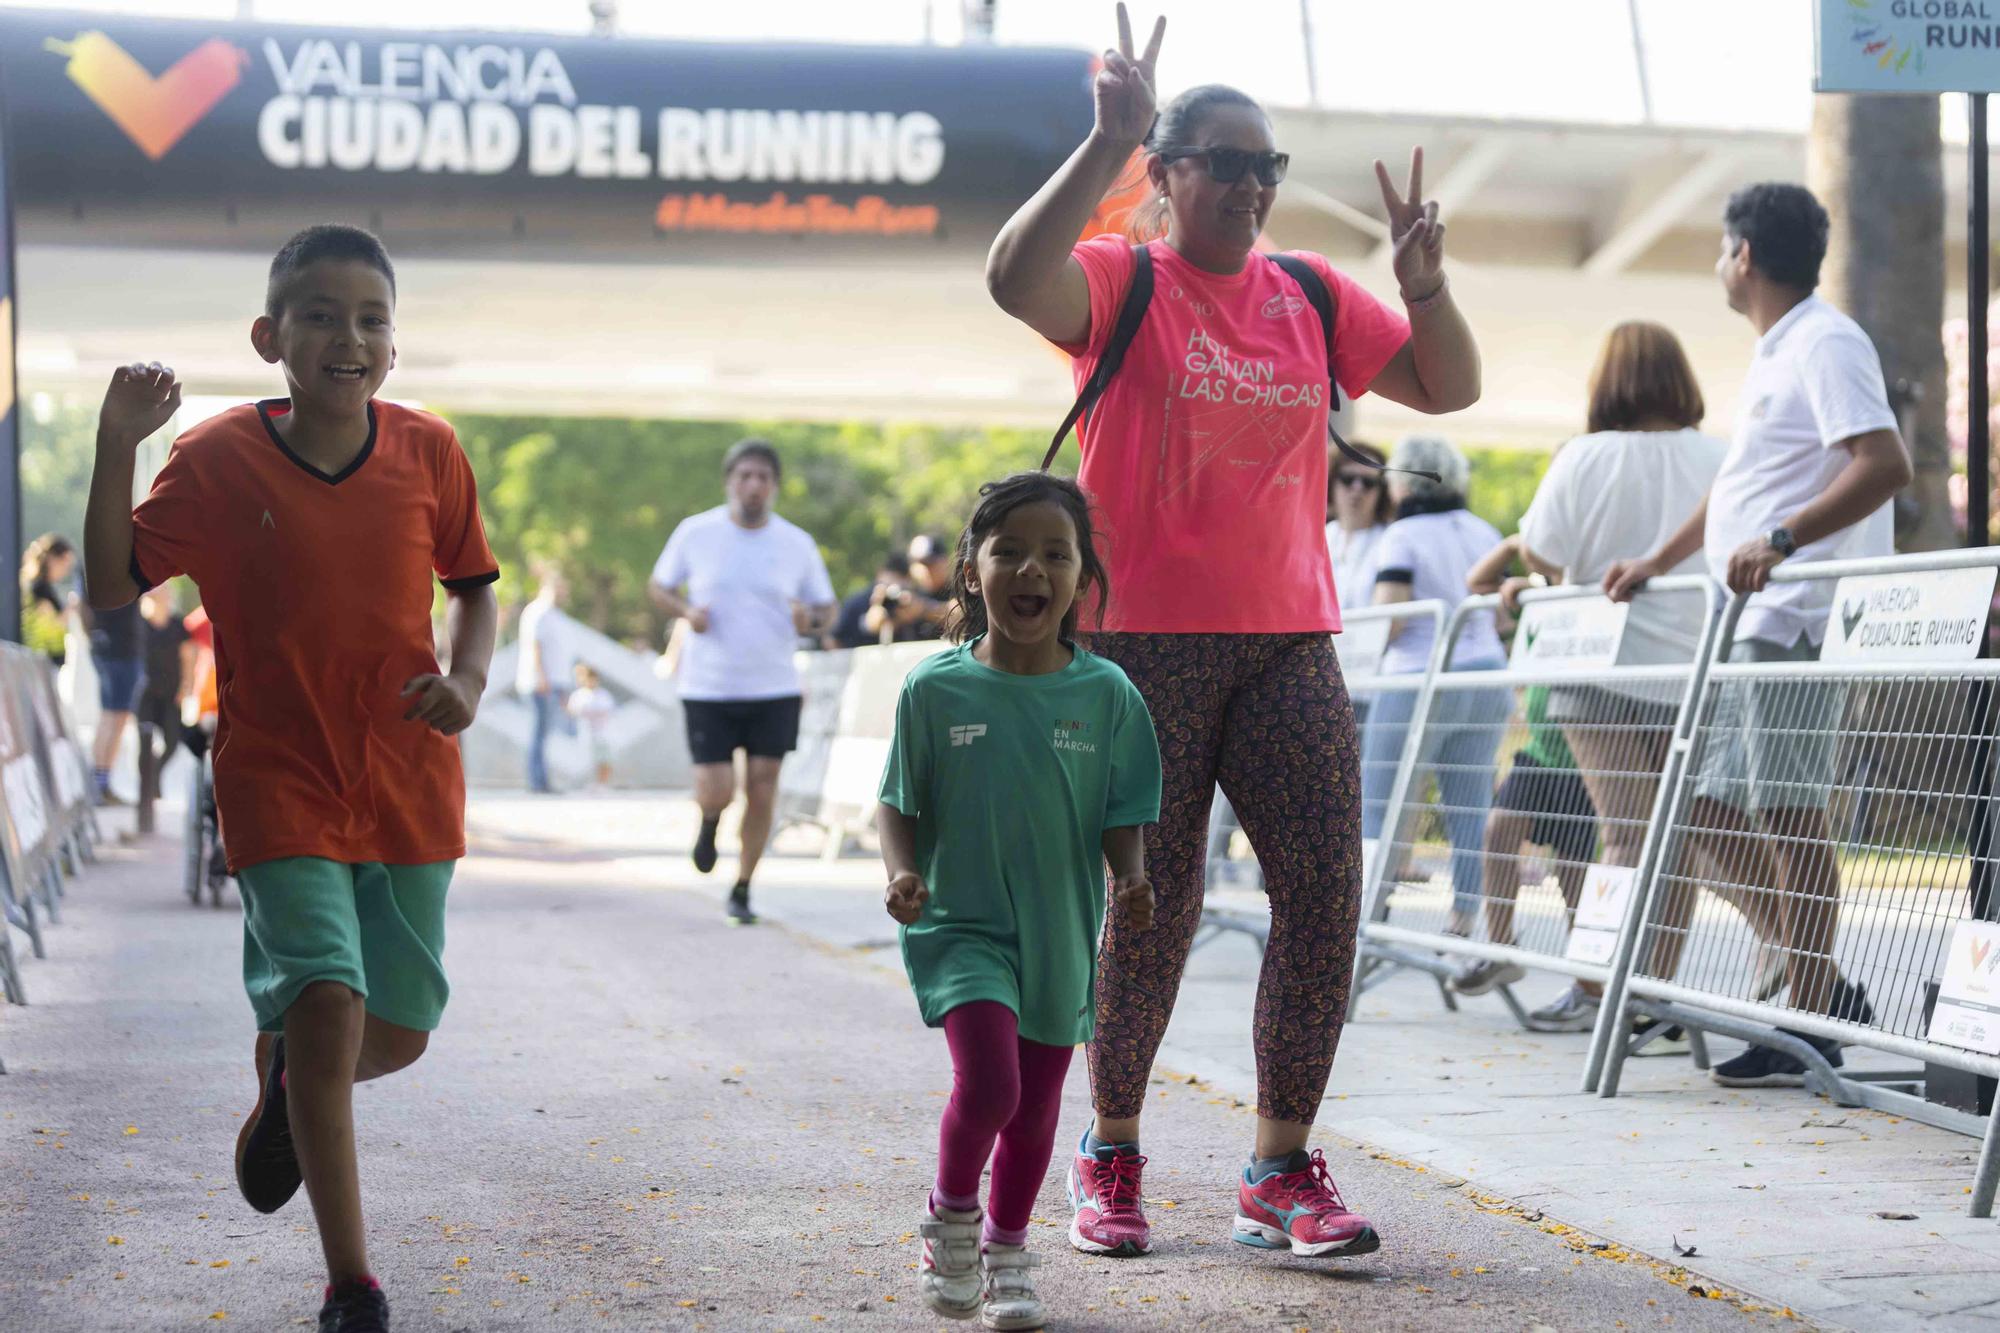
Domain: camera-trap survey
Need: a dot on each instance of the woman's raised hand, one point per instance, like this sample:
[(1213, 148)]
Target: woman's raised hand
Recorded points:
[(1123, 91), (1414, 231)]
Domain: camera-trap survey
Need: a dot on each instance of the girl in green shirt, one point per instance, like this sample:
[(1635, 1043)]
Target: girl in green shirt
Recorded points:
[(1021, 764)]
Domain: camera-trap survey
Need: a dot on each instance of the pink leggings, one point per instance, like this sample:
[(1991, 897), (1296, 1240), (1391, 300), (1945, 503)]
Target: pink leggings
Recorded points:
[(1003, 1087)]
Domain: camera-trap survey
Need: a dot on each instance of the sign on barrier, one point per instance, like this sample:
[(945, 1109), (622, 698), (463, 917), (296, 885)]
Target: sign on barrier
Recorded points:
[(1360, 645), (1923, 616), (1583, 634), (1968, 1003), (1600, 913)]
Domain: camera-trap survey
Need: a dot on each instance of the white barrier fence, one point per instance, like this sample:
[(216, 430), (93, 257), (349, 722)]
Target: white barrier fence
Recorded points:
[(47, 830)]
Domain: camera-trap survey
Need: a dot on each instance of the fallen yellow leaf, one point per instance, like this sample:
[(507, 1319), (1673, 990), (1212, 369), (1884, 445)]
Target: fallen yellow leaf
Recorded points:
[(114, 1240), (220, 1263), (134, 1129)]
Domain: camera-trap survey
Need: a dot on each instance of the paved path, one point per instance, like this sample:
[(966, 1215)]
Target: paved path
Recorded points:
[(636, 1118)]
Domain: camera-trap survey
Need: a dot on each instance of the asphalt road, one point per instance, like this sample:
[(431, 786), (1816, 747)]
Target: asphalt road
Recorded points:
[(636, 1117)]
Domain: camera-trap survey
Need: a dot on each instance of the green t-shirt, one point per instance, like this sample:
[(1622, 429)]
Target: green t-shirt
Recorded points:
[(1012, 781), (1546, 745)]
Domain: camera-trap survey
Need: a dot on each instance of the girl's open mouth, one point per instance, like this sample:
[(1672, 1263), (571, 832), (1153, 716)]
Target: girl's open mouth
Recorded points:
[(1026, 606)]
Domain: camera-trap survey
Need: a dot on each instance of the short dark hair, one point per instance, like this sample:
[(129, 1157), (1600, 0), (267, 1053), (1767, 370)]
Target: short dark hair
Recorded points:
[(328, 240), (1385, 509), (1786, 229), (896, 563), (761, 450), (1643, 375)]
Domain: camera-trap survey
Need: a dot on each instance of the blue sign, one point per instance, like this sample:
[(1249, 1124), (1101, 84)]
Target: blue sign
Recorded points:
[(1907, 46)]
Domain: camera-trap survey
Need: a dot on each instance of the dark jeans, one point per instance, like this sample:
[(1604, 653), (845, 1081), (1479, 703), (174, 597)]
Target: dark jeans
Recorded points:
[(548, 714)]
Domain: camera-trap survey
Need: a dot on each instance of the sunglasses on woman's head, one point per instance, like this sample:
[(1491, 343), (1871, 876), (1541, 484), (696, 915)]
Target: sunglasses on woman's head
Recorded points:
[(1227, 165), (1354, 481)]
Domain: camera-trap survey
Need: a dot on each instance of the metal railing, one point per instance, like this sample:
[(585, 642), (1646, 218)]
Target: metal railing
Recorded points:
[(1839, 814), (1562, 751)]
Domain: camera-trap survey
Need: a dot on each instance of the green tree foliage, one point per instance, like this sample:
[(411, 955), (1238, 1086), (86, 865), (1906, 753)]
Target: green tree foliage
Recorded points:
[(58, 446)]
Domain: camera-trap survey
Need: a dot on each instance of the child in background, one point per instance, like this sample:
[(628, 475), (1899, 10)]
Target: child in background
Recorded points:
[(314, 525), (1021, 764), (591, 704)]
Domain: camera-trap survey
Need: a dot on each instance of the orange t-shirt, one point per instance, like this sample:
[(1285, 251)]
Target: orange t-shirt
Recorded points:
[(319, 590)]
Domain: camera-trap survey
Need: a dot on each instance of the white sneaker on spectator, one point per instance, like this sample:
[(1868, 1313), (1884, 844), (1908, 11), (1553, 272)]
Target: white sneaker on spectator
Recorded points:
[(1481, 975), (1575, 1010)]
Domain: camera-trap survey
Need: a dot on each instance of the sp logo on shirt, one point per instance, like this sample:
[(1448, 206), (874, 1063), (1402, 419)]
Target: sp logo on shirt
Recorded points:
[(967, 735)]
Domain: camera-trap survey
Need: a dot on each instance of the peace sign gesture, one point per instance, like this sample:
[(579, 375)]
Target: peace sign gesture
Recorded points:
[(1123, 90), (1414, 231)]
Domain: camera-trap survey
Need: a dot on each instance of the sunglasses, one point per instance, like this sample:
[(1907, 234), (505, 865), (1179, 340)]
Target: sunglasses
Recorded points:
[(1227, 165), (1353, 481)]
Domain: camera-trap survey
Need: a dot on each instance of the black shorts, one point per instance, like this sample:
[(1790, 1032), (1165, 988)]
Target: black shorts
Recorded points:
[(718, 728), (1565, 821)]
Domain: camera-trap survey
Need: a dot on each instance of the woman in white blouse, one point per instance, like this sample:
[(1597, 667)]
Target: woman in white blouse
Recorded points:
[(1617, 490)]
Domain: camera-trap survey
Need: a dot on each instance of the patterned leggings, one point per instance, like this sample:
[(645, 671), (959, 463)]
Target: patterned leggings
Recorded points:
[(1266, 716)]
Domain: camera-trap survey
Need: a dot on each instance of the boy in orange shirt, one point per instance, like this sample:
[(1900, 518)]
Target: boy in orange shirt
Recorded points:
[(313, 525)]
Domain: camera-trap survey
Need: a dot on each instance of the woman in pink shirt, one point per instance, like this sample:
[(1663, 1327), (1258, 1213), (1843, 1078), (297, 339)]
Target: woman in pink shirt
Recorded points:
[(1206, 458)]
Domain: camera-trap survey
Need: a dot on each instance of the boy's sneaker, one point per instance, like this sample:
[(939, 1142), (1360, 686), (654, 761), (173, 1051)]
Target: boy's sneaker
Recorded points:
[(704, 846), (1762, 1067), (948, 1261), (1007, 1296), (737, 910), (1849, 1002), (267, 1165), (1575, 1010), (355, 1306), (1300, 1209), (1104, 1192), (1484, 974)]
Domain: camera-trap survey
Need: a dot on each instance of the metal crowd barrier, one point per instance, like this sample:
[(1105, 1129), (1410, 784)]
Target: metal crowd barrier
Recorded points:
[(1890, 733), (47, 828), (1233, 901), (846, 723), (1563, 750)]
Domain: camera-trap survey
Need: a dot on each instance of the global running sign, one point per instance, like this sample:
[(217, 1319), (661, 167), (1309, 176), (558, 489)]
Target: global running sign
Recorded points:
[(512, 141)]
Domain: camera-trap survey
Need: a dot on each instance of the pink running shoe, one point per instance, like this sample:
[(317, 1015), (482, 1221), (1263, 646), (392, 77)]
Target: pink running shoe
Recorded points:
[(1104, 1191), (1300, 1209)]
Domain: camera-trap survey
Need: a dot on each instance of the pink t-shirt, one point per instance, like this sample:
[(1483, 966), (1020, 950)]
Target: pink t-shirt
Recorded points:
[(1206, 457)]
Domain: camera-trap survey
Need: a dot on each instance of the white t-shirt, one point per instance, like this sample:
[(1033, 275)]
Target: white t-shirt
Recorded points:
[(1354, 563), (746, 579), (545, 624), (1433, 553), (1618, 494), (592, 706), (1816, 381)]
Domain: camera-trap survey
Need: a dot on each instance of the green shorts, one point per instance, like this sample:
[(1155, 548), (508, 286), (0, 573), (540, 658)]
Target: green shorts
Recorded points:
[(374, 928)]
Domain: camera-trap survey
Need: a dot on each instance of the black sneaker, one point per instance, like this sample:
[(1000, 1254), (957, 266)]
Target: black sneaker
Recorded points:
[(1762, 1067), (355, 1306), (1849, 1002), (704, 846), (738, 909), (267, 1165)]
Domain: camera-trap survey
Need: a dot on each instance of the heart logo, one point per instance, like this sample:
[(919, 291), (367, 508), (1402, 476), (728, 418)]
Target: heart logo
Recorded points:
[(154, 112), (1851, 611)]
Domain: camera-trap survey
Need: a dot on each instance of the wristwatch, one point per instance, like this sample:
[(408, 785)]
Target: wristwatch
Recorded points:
[(1780, 540)]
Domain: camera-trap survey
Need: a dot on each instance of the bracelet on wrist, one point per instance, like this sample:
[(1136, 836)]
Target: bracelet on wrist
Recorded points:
[(1417, 305)]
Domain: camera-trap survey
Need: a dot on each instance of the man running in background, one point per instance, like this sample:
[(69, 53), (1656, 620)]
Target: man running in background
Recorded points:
[(749, 584)]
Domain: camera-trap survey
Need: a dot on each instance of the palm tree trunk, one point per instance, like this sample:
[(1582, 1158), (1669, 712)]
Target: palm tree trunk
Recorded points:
[(1876, 162)]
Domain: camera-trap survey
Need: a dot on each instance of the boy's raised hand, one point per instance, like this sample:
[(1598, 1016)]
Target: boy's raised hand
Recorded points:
[(446, 704), (905, 897), (1132, 898), (142, 398)]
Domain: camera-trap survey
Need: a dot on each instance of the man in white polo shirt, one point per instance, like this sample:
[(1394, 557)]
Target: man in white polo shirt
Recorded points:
[(1809, 476), (749, 585)]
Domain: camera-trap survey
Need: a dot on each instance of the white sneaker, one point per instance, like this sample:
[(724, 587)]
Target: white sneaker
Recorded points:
[(1575, 1010), (948, 1261), (1007, 1291), (1481, 975)]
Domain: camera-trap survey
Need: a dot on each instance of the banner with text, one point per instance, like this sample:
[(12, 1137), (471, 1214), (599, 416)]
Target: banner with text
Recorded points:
[(1906, 46), (1937, 615), (217, 134)]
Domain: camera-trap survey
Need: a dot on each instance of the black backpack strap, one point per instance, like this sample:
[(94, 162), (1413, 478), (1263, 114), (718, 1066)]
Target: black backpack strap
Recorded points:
[(1137, 297), (1322, 299)]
